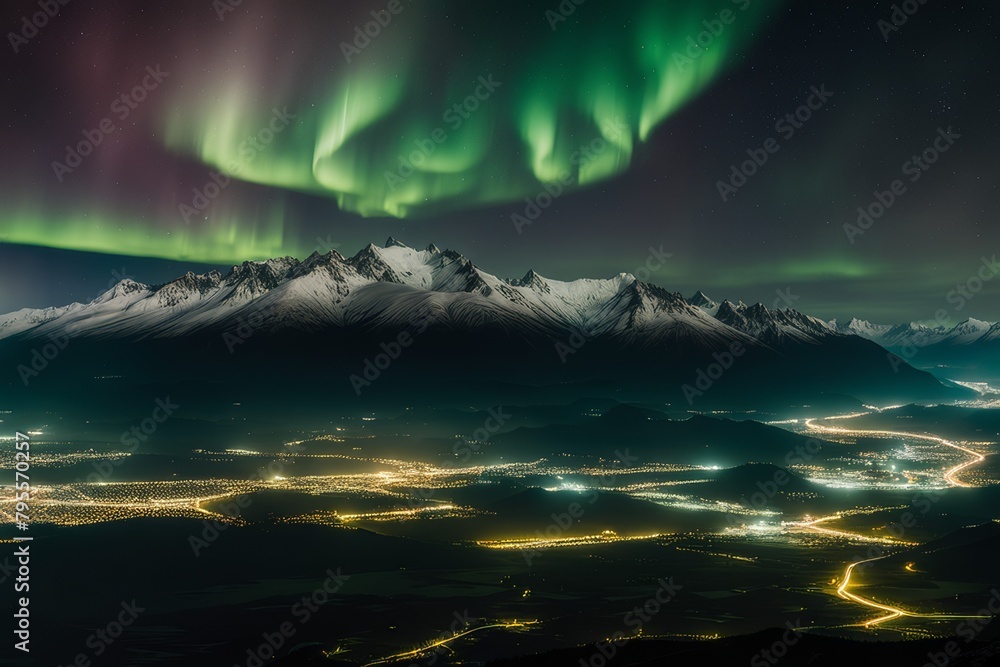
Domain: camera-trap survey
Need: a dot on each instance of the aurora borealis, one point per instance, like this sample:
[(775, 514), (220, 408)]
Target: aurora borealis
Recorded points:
[(436, 121), (391, 137)]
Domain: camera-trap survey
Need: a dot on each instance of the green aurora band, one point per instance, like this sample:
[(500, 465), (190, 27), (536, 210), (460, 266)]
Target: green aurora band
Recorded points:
[(575, 103), (217, 241), (384, 137)]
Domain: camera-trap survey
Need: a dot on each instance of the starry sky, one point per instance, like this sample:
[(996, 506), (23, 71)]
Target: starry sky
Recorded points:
[(214, 133)]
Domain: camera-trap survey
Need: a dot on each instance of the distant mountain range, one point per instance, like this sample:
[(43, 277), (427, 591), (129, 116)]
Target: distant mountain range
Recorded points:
[(392, 285), (969, 350), (968, 332), (334, 312)]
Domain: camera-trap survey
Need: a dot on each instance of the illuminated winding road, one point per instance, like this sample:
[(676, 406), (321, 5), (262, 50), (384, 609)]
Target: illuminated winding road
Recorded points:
[(949, 476), (891, 612), (445, 641), (814, 525)]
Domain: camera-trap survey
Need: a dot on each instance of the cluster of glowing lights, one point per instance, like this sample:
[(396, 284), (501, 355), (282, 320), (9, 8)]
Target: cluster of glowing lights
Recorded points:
[(514, 624), (949, 475), (535, 543)]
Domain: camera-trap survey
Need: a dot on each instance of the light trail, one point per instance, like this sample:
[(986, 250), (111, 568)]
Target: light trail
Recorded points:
[(813, 525), (892, 613), (398, 515), (535, 543), (949, 475), (446, 640)]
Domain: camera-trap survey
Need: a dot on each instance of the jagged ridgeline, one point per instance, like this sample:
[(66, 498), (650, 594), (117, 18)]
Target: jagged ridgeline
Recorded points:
[(392, 323)]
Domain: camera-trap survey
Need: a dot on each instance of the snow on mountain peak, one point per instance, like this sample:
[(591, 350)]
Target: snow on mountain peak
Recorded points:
[(190, 286), (699, 298), (859, 327), (967, 331), (706, 303), (125, 287), (530, 279), (974, 324), (916, 335), (769, 325), (388, 283)]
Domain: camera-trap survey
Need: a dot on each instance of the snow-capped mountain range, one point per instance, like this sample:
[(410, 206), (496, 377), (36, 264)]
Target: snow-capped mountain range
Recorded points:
[(913, 335), (394, 285), (285, 332)]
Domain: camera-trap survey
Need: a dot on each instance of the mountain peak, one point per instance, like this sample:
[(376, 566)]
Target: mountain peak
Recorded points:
[(391, 242), (371, 263), (728, 308), (127, 286), (701, 299), (654, 298), (433, 249), (769, 325), (124, 287), (705, 302), (530, 277), (859, 327), (531, 280), (759, 310), (197, 281)]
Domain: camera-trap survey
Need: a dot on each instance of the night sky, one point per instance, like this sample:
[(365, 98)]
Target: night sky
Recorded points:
[(611, 102)]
